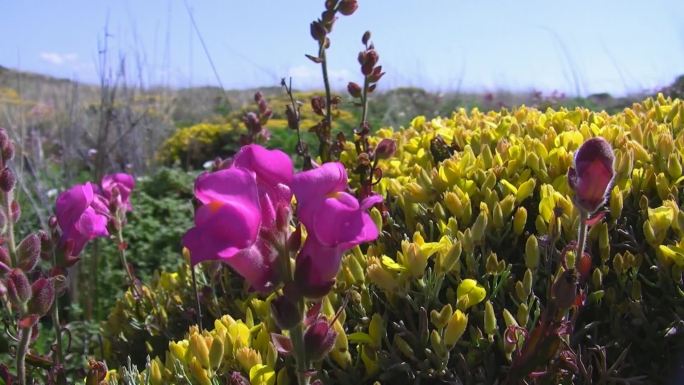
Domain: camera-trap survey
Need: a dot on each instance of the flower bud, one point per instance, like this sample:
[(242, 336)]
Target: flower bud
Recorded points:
[(285, 313), (199, 349), (156, 372), (354, 90), (317, 30), (404, 346), (455, 328), (43, 295), (489, 319), (18, 287), (216, 353), (366, 37), (527, 281), (509, 320), (15, 210), (441, 318), (385, 149), (437, 344), (198, 373), (28, 252), (348, 7), (8, 152), (520, 291), (523, 314), (7, 179), (591, 174), (532, 252), (519, 220), (319, 339), (479, 227), (674, 166)]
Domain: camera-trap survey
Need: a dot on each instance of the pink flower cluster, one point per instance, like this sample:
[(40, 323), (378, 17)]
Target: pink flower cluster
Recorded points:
[(243, 219), (84, 210)]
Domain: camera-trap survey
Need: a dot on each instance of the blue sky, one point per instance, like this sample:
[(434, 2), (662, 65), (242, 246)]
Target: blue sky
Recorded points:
[(580, 46)]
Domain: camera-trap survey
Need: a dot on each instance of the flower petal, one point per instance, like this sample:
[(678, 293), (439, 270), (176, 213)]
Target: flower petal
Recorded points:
[(271, 166), (221, 231), (233, 184)]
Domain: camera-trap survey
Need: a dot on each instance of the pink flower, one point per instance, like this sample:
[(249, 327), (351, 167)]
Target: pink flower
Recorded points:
[(592, 174), (237, 205), (118, 187), (335, 222), (82, 216), (273, 169)]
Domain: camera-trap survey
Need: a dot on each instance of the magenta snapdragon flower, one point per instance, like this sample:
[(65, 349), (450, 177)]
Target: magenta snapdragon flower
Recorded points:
[(238, 204), (118, 186), (592, 173), (335, 222), (81, 215)]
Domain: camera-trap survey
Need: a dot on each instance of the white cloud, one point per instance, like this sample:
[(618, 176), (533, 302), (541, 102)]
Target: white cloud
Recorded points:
[(58, 58)]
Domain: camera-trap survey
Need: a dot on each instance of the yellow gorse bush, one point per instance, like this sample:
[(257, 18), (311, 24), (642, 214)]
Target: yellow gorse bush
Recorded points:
[(478, 209)]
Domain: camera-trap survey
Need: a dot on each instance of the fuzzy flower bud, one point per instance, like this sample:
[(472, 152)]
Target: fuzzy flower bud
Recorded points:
[(319, 339), (348, 7), (43, 294), (7, 179), (354, 89), (385, 149), (28, 252), (18, 287), (591, 174)]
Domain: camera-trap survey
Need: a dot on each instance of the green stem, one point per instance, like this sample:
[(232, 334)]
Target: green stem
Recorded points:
[(22, 349), (297, 337), (11, 242), (197, 299), (582, 236), (124, 261), (59, 355), (324, 138)]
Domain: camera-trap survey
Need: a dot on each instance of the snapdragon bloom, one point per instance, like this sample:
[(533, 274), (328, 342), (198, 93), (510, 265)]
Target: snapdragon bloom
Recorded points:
[(82, 216), (118, 186), (335, 222), (238, 204), (592, 173)]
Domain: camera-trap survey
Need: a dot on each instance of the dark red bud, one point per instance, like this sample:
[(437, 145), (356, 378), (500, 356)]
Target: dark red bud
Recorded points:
[(4, 256), (317, 105), (18, 287), (366, 37), (258, 97), (348, 7), (28, 252), (385, 149), (328, 18), (317, 30), (43, 292), (371, 88), (319, 339), (354, 90), (361, 57), (285, 312), (7, 180), (330, 4), (8, 152), (52, 222), (592, 174), (4, 138)]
